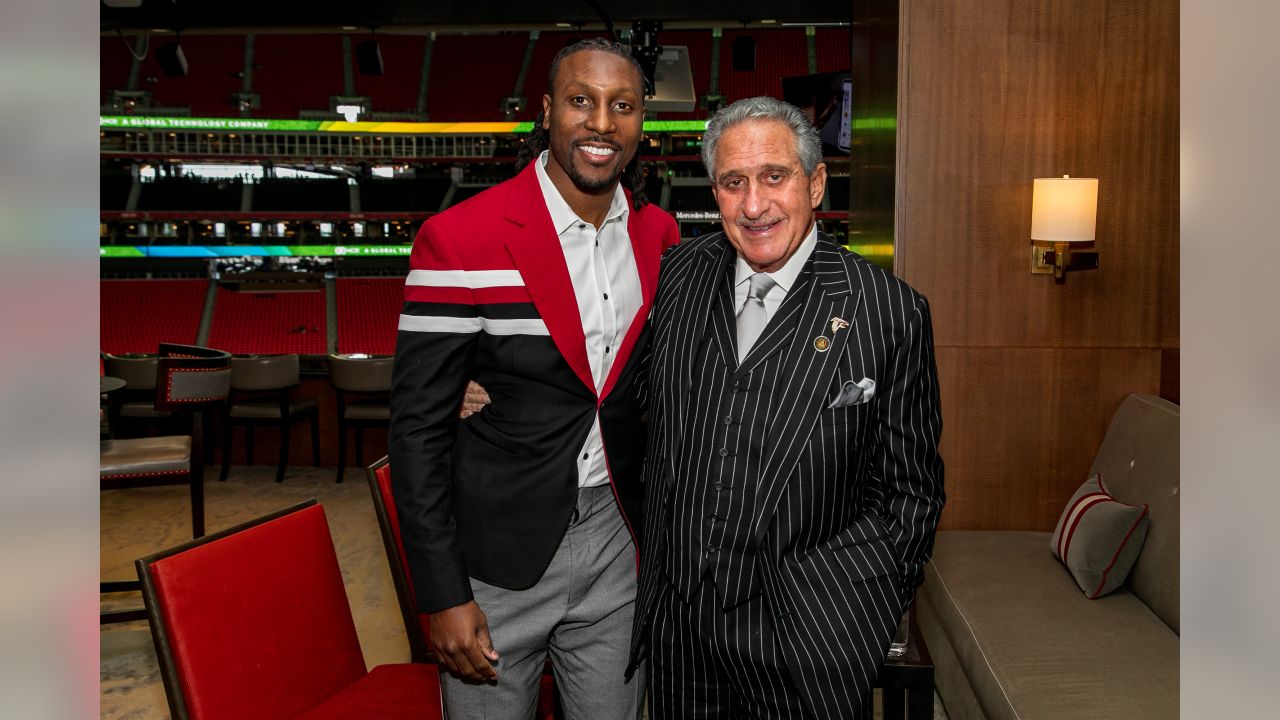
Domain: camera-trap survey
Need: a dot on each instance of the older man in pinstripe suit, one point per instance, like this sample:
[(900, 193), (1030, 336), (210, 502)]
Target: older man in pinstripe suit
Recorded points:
[(792, 480)]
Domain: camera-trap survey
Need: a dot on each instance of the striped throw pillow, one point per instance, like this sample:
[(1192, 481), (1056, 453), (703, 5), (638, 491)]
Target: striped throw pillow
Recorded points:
[(1098, 538)]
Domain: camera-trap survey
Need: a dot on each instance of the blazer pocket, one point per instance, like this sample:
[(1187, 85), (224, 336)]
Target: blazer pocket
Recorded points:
[(863, 550), (836, 417)]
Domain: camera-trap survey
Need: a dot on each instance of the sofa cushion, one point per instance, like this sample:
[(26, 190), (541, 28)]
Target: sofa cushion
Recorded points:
[(1098, 538), (1027, 639), (1139, 459)]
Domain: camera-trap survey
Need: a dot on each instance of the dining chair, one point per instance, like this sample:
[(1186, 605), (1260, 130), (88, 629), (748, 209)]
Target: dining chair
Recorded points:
[(254, 622), (263, 389), (190, 380), (418, 625), (362, 385)]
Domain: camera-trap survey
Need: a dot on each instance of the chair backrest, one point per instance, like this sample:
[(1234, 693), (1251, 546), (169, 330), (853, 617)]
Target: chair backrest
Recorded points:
[(138, 372), (264, 372), (1139, 464), (191, 378), (361, 374), (252, 621), (416, 625)]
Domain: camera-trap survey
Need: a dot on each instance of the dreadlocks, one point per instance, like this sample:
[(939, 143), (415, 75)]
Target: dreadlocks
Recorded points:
[(539, 139)]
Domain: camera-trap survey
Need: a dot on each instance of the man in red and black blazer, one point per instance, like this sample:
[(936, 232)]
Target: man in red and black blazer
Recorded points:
[(497, 531)]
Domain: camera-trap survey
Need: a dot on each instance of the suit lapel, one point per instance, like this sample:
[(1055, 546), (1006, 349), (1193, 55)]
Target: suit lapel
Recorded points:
[(831, 293), (691, 310), (535, 249), (724, 320), (647, 250)]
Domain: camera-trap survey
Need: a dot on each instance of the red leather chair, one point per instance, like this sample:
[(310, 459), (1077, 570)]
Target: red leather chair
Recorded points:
[(253, 622), (417, 625)]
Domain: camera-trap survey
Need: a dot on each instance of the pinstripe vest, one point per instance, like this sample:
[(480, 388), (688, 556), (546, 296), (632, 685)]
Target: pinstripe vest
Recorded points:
[(722, 458)]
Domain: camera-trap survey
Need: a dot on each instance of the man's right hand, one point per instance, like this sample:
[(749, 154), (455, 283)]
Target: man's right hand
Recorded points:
[(460, 635)]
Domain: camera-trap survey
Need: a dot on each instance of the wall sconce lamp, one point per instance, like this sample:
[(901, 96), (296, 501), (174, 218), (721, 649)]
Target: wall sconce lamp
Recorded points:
[(1063, 211)]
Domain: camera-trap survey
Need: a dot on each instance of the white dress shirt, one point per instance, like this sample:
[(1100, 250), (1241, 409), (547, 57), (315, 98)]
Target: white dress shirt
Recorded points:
[(606, 283), (785, 277)]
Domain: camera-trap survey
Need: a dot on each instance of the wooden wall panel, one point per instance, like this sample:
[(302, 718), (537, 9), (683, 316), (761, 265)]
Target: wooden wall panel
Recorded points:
[(1021, 427), (994, 93), (997, 92)]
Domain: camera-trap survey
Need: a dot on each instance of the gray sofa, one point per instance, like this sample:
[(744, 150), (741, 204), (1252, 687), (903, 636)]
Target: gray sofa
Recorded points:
[(1012, 635)]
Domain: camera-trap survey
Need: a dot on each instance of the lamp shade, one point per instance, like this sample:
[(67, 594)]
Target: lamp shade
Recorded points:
[(1064, 209)]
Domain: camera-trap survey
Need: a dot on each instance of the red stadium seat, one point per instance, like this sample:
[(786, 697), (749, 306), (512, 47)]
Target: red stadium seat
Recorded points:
[(269, 323), (254, 622), (368, 312), (138, 315)]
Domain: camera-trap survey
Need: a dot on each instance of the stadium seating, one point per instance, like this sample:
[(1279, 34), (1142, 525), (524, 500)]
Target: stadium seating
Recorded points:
[(779, 53), (300, 194), (838, 191), (833, 51), (281, 322), (296, 72), (402, 195), (114, 62), (471, 74), (691, 197), (214, 64), (138, 315), (368, 311), (190, 193), (396, 89), (113, 191)]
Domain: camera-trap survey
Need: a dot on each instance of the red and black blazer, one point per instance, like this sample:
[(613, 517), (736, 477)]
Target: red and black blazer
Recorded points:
[(489, 298)]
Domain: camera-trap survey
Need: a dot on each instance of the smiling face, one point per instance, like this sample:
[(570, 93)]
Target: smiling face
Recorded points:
[(594, 115), (766, 201)]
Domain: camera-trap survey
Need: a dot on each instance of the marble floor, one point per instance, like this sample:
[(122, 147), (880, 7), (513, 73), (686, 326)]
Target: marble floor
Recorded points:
[(138, 522)]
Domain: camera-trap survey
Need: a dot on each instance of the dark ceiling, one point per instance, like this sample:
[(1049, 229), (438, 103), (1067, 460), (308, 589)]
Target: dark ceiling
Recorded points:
[(422, 16)]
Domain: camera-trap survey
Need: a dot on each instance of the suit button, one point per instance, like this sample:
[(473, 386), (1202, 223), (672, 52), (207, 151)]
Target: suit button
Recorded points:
[(724, 452), (728, 420), (712, 551), (719, 486)]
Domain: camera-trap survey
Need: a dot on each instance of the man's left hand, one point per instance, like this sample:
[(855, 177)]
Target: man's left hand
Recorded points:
[(474, 400)]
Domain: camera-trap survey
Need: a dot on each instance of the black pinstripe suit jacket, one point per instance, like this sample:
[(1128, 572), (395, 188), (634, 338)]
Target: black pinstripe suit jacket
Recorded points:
[(847, 498)]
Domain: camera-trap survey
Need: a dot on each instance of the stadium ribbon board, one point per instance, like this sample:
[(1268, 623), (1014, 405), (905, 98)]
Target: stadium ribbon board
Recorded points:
[(217, 251), (146, 122)]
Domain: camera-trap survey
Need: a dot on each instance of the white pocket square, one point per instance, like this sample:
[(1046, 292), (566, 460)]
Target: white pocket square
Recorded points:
[(854, 393)]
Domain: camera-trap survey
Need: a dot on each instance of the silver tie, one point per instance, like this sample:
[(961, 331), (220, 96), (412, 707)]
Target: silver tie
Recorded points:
[(752, 317)]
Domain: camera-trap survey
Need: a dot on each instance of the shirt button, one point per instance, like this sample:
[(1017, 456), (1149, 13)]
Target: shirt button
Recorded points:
[(582, 226), (606, 296), (585, 455), (606, 348)]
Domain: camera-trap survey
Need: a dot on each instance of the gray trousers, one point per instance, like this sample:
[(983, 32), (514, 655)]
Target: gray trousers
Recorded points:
[(579, 612)]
